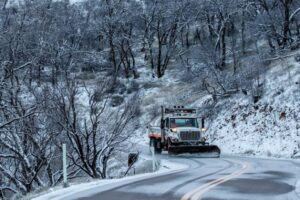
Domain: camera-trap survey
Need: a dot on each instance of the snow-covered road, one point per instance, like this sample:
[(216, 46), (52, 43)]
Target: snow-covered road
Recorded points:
[(229, 177)]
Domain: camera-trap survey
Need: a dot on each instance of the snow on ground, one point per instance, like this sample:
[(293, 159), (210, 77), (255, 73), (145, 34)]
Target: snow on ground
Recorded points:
[(268, 128), (60, 193)]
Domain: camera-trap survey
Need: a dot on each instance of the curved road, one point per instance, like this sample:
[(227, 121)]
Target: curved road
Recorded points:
[(228, 177)]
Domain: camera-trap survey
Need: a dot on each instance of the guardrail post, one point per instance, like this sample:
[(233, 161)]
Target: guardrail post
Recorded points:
[(65, 175), (153, 159)]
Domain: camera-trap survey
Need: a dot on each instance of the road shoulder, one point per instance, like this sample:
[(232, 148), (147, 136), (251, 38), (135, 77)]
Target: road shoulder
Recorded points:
[(86, 189)]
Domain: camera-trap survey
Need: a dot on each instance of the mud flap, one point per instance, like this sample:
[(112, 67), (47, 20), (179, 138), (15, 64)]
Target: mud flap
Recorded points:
[(202, 150)]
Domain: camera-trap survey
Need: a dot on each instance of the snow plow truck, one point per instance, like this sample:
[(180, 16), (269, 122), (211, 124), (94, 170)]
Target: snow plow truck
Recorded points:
[(179, 133)]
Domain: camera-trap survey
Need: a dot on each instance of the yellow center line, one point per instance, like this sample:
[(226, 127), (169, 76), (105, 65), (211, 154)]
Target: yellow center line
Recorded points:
[(196, 193)]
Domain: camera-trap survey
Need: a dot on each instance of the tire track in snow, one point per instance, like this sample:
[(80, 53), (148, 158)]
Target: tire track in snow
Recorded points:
[(229, 165)]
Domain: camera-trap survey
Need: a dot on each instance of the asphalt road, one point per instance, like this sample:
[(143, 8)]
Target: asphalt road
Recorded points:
[(228, 177)]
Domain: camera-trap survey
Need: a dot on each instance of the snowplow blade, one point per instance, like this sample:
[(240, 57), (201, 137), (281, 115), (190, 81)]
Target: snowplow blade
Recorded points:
[(211, 151)]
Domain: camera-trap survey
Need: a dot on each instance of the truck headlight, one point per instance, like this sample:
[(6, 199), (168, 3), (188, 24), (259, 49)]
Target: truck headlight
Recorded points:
[(203, 129), (174, 134), (174, 130)]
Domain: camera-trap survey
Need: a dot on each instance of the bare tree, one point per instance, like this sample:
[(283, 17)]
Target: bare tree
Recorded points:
[(162, 25), (26, 138), (95, 138)]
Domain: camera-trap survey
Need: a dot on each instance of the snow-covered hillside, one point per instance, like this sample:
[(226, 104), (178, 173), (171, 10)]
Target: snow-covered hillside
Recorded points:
[(269, 127)]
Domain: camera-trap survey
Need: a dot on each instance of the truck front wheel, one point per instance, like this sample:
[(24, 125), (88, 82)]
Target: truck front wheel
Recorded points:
[(169, 144)]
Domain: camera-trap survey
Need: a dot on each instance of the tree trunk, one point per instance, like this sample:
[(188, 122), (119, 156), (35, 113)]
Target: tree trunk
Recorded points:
[(4, 4), (286, 23), (209, 24), (160, 43), (223, 46), (243, 33), (113, 53), (234, 57), (297, 28), (187, 42)]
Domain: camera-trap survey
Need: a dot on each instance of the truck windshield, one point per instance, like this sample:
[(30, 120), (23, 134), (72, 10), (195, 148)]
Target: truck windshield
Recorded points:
[(183, 122)]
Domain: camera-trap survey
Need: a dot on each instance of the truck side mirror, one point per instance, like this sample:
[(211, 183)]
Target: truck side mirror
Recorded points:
[(202, 123), (162, 124)]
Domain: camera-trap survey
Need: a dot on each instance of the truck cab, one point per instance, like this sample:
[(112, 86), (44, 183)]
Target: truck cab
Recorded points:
[(183, 130)]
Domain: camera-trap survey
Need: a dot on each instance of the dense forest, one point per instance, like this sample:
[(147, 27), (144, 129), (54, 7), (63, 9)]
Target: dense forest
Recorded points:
[(52, 52)]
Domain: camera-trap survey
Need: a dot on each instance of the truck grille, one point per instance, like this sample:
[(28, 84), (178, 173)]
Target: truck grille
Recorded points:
[(190, 135)]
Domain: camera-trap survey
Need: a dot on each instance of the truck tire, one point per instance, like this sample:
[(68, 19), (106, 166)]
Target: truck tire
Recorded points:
[(169, 144), (153, 143), (158, 150)]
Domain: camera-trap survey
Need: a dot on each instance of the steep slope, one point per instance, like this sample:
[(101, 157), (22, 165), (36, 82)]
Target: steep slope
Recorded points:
[(269, 127)]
